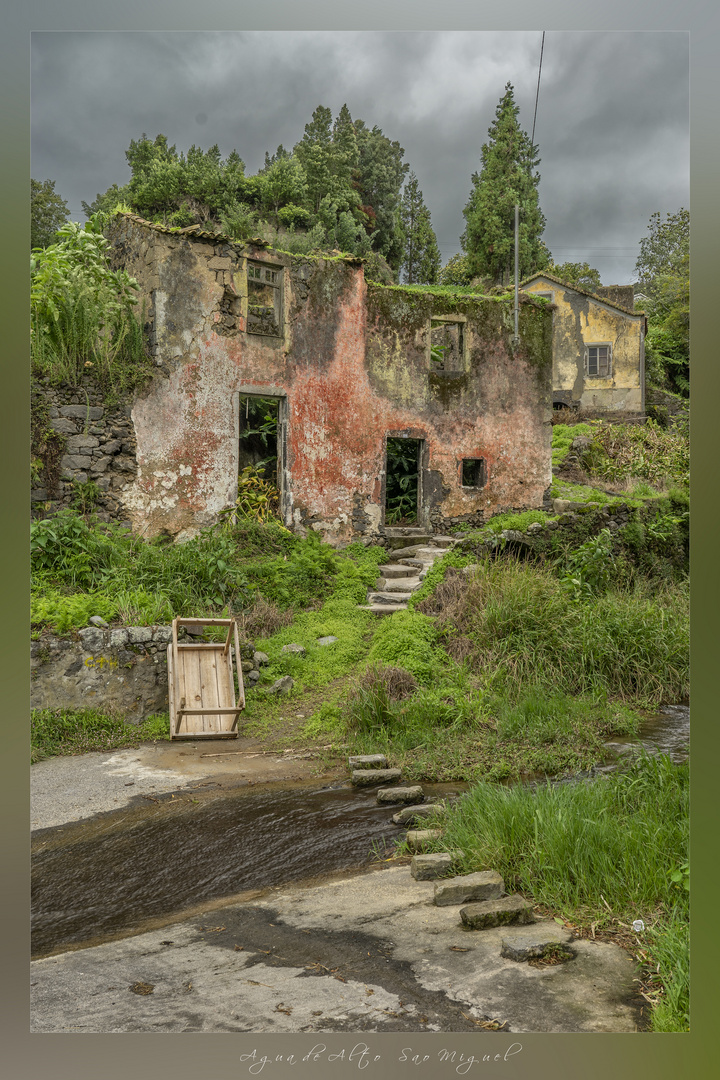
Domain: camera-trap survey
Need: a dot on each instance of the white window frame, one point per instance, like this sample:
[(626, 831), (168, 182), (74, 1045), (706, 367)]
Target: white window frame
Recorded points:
[(602, 365)]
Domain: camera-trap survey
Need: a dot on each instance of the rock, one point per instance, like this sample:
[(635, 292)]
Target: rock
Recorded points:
[(511, 909), (412, 814), (118, 638), (162, 634), (139, 635), (97, 620), (368, 777), (412, 794), (253, 676), (282, 686), (535, 942), (298, 650), (92, 638), (427, 867), (368, 761), (534, 527), (82, 412), (484, 885), (418, 838), (329, 640), (260, 658)]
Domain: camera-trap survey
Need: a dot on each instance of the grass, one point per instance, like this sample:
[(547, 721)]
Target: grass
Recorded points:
[(602, 854), (80, 731)]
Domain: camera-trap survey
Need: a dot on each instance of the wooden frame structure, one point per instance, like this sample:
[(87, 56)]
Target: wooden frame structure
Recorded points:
[(201, 689)]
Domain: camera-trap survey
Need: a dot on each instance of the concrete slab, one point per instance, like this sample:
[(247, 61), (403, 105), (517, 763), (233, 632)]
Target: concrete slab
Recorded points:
[(360, 953)]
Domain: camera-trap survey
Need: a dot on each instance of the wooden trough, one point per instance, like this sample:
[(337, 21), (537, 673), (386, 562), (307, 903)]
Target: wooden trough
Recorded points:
[(201, 689)]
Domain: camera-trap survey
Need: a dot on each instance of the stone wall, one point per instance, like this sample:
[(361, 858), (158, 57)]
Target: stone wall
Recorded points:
[(98, 458), (120, 670)]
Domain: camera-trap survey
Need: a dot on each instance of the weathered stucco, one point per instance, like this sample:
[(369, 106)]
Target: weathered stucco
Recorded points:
[(351, 365), (581, 319)]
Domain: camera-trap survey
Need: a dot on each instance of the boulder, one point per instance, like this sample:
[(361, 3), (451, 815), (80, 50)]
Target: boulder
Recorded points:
[(427, 867), (368, 761), (399, 794)]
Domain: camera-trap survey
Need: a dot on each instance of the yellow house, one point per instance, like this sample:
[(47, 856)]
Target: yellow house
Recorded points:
[(598, 345)]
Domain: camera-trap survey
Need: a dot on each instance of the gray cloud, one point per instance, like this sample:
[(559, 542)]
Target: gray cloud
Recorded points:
[(612, 121)]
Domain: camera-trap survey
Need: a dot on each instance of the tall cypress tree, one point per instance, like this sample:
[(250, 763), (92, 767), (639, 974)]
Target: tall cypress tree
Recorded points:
[(507, 178), (421, 257)]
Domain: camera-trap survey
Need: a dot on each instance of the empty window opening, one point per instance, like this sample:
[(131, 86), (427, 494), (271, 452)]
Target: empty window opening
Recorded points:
[(264, 299), (474, 472), (258, 449), (447, 345), (402, 487), (598, 361)]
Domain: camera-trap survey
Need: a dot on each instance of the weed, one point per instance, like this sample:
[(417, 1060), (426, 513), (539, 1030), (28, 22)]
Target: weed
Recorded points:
[(79, 731)]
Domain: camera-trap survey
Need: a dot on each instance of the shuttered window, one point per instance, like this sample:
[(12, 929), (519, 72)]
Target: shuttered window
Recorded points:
[(598, 361)]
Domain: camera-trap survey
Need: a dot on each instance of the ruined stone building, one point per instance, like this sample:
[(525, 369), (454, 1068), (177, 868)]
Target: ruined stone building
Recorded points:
[(349, 365), (598, 345)]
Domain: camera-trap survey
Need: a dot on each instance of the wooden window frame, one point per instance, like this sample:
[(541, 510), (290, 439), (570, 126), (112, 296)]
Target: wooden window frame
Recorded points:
[(599, 363)]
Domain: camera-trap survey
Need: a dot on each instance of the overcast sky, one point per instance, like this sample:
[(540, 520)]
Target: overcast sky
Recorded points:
[(612, 119)]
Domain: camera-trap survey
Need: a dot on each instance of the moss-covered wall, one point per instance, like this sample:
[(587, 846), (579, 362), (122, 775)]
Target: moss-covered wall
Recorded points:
[(351, 363)]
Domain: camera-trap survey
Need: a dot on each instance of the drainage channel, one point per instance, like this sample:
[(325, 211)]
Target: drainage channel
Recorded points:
[(102, 877)]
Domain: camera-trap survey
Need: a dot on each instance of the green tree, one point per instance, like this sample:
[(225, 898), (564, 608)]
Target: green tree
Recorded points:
[(380, 176), (421, 257), (455, 271), (506, 178), (47, 213), (663, 267), (664, 251), (106, 202), (580, 274)]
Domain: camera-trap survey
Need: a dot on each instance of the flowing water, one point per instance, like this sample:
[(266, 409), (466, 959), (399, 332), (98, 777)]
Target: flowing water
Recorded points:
[(118, 872)]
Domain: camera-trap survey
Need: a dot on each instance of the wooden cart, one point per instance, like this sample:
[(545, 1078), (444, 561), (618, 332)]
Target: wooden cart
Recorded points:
[(201, 689)]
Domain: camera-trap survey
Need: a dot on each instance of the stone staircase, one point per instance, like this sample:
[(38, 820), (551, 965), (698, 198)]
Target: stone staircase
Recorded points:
[(412, 554)]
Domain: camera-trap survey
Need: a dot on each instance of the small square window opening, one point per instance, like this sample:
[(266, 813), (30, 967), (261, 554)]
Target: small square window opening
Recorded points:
[(474, 472)]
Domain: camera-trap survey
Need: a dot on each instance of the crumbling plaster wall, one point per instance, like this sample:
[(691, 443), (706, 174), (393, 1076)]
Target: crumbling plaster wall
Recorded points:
[(580, 320), (352, 364)]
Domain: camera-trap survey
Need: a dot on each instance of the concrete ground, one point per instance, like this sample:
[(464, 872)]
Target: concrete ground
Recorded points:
[(362, 952)]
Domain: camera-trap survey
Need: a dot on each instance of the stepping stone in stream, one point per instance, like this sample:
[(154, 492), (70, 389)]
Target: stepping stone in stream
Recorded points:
[(418, 838), (427, 867), (412, 794), (485, 885), (368, 761), (414, 814), (510, 909), (368, 777)]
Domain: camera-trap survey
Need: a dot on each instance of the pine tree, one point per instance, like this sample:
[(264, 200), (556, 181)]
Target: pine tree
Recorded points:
[(505, 179), (421, 257)]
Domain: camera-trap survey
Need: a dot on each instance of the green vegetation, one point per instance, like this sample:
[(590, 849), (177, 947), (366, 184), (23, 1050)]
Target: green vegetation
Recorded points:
[(562, 439), (506, 179), (664, 270), (84, 317), (421, 257), (583, 850), (580, 274), (47, 213), (79, 731)]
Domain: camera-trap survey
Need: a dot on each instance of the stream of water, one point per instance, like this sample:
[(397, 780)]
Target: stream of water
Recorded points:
[(107, 875)]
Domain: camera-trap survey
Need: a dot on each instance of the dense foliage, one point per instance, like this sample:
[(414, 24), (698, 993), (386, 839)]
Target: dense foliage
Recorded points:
[(506, 178), (421, 258), (84, 315), (47, 213), (586, 277), (663, 267)]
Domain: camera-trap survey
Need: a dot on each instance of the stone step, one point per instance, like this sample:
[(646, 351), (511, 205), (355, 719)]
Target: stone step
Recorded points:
[(414, 814), (395, 570), (412, 550), (533, 942), (383, 609), (484, 885), (444, 541), (368, 777), (417, 839), (428, 867), (509, 910), (399, 585), (368, 761), (412, 794), (387, 598)]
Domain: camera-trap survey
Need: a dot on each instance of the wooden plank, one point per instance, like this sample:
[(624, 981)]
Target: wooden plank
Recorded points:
[(171, 689), (241, 682), (212, 712), (227, 639), (209, 689), (207, 735), (204, 622), (191, 686)]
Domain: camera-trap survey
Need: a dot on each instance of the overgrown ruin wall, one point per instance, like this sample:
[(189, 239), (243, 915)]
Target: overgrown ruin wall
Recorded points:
[(350, 364)]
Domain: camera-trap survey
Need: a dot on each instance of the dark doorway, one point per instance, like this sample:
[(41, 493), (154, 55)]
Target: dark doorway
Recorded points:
[(402, 486), (258, 428)]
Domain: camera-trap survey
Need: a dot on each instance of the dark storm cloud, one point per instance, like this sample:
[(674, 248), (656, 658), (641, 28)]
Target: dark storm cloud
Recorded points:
[(612, 121)]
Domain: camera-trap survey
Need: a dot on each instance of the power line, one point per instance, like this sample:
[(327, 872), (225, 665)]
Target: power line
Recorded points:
[(537, 92)]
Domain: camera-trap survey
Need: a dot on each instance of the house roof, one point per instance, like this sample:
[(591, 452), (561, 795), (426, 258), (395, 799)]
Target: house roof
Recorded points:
[(578, 289), (222, 238)]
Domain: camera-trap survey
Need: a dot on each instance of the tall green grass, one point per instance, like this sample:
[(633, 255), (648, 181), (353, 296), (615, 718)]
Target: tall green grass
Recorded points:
[(606, 851), (518, 622), (79, 731)]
